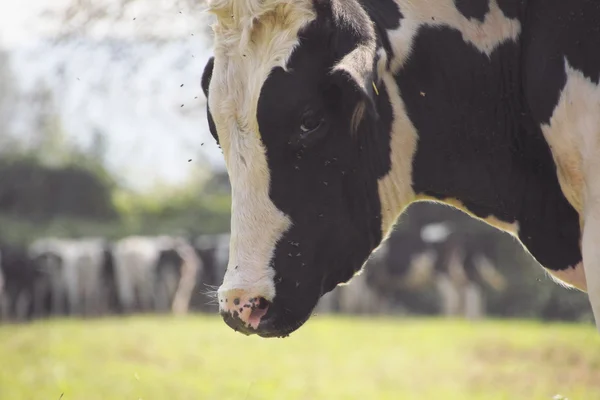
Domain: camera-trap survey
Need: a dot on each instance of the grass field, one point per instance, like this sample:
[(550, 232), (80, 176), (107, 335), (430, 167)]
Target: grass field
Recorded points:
[(166, 358)]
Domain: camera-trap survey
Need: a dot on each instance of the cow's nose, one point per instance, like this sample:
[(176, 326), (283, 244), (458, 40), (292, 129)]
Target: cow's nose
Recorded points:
[(242, 310)]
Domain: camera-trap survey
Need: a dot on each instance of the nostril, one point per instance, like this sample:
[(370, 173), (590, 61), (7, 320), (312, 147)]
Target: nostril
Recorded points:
[(262, 303)]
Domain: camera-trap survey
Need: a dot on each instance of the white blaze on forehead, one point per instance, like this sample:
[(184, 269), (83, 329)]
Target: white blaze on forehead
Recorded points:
[(251, 38)]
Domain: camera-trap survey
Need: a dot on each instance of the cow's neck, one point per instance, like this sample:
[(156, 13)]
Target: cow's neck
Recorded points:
[(463, 135)]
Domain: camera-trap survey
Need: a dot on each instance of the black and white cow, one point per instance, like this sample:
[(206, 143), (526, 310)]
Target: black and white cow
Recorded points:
[(213, 250), (20, 278), (155, 272), (79, 275), (399, 274), (3, 297), (463, 264), (334, 115)]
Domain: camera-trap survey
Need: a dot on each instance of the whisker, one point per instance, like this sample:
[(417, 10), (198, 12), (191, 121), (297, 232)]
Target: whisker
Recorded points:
[(215, 287)]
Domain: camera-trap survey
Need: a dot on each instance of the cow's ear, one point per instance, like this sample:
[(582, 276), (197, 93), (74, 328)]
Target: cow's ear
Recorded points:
[(355, 44), (206, 77), (355, 74)]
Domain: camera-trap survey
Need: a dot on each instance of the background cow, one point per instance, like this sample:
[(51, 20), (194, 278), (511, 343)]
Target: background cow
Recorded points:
[(213, 250), (3, 299), (402, 275), (155, 272), (20, 277), (78, 270)]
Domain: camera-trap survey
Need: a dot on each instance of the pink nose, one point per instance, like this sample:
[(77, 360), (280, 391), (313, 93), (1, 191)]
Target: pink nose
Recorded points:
[(242, 309)]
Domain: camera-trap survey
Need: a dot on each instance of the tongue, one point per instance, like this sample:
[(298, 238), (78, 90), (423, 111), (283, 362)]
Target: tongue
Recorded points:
[(256, 315)]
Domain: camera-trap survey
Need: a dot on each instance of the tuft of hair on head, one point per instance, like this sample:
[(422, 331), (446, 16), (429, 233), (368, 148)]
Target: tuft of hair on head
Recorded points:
[(238, 10), (237, 19)]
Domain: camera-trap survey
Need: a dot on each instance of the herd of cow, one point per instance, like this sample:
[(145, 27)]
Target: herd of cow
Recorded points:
[(431, 249), (92, 276)]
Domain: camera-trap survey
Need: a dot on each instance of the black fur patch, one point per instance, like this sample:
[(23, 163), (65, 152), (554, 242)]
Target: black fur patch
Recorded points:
[(478, 144), (514, 9), (473, 9), (555, 31), (206, 77)]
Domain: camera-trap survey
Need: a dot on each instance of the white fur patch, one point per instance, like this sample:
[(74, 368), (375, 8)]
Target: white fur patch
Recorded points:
[(573, 135), (395, 189), (571, 277), (251, 38), (495, 29)]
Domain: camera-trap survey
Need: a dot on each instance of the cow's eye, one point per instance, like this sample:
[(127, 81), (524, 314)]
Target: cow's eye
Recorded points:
[(312, 127), (311, 121)]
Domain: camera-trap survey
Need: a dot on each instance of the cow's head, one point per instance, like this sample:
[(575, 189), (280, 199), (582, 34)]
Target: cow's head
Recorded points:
[(293, 102)]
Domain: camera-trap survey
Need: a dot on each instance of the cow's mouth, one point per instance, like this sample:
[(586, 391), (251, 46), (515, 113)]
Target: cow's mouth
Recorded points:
[(265, 323)]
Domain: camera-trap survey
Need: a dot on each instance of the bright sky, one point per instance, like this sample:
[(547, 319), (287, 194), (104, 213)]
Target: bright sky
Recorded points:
[(20, 22), (130, 89)]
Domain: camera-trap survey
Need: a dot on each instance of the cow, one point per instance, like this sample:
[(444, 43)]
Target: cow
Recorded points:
[(458, 262), (155, 272), (51, 286), (334, 115), (213, 250), (360, 296), (189, 266), (401, 265), (463, 264), (3, 299), (135, 259), (80, 275), (20, 278)]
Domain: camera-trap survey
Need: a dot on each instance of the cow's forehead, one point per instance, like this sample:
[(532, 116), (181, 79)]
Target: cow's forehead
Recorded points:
[(251, 38), (240, 18)]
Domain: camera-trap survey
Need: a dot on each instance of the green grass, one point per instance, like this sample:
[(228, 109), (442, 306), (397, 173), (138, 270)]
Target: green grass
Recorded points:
[(167, 358)]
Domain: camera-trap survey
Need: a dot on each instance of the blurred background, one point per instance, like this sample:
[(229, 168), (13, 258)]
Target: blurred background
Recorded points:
[(114, 218)]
